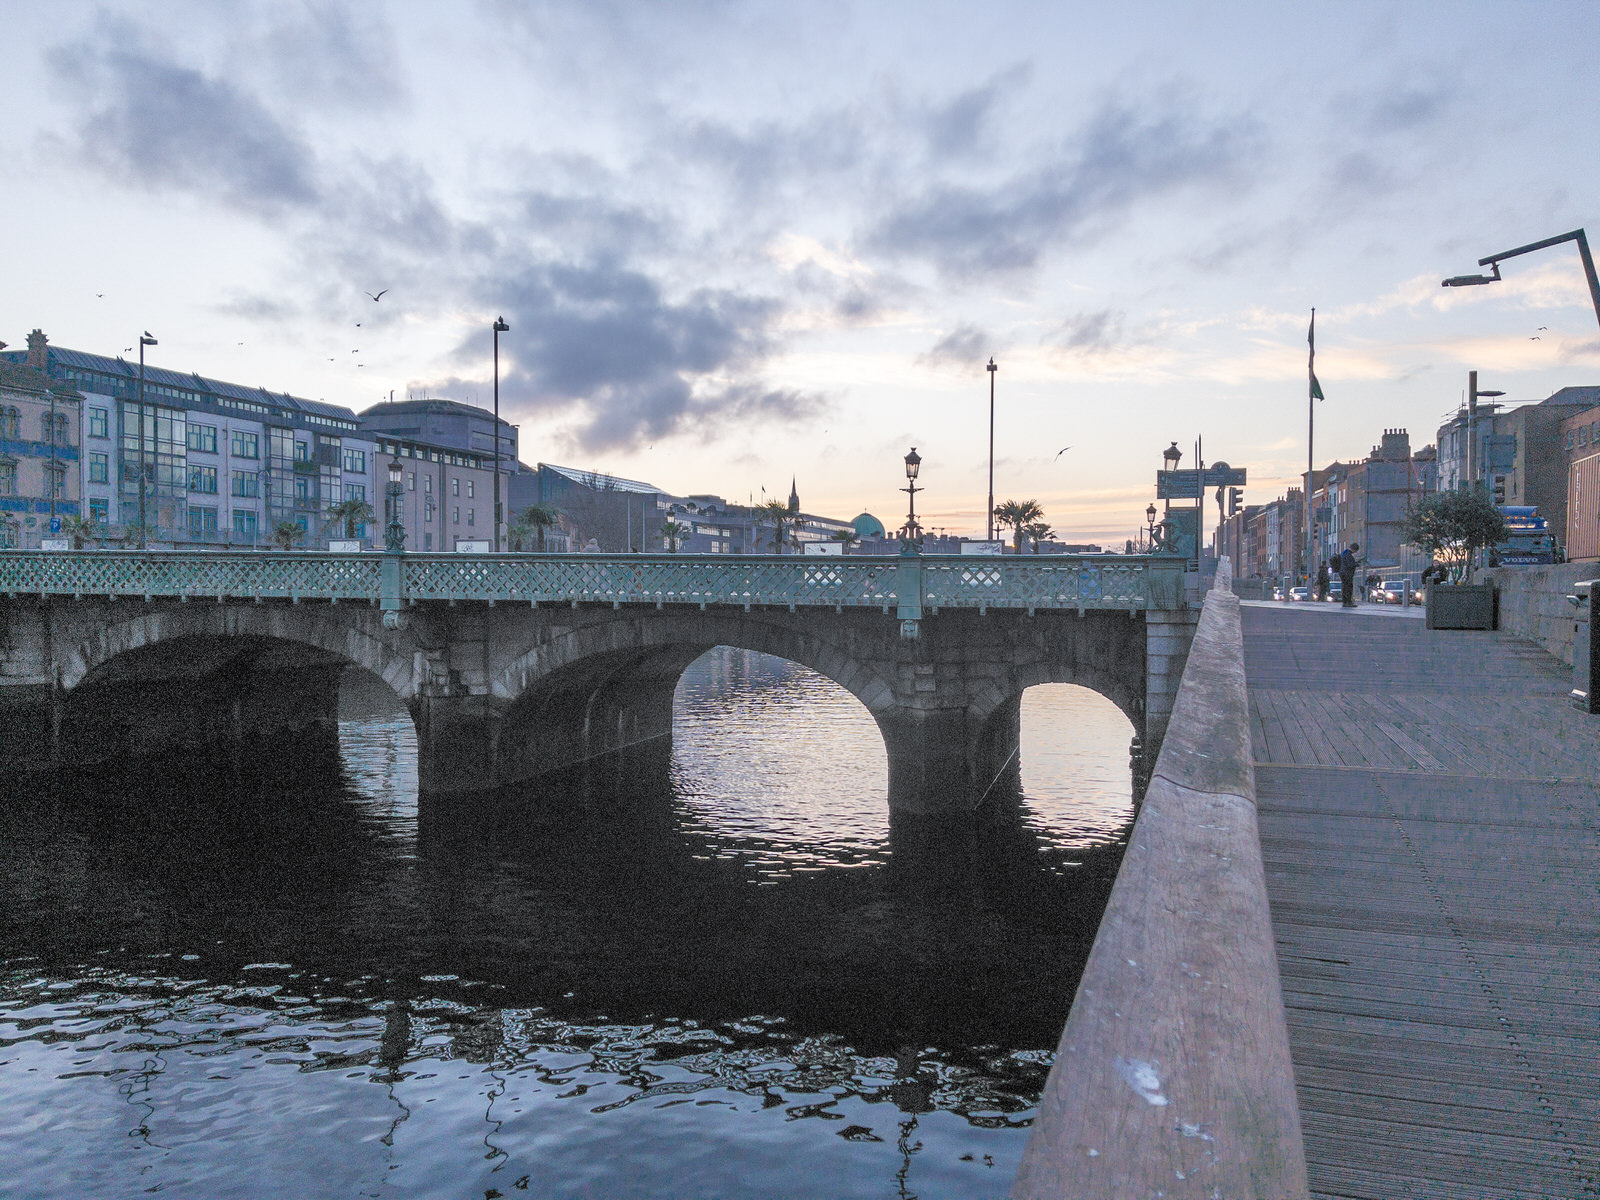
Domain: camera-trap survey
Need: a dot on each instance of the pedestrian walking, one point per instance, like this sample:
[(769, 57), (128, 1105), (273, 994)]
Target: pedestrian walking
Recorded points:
[(1323, 576), (1349, 564)]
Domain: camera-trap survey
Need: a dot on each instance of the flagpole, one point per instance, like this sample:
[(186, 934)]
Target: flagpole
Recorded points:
[(1311, 431)]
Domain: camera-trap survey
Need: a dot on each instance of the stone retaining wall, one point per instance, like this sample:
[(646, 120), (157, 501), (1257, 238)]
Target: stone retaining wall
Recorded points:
[(1533, 603)]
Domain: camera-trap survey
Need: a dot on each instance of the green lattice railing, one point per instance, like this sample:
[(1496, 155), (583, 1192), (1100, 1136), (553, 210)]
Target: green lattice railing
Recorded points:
[(907, 584)]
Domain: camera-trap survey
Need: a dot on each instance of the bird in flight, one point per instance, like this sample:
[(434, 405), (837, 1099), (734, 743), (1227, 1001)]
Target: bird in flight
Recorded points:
[(99, 295), (1060, 452), (358, 324), (378, 297), (1544, 327), (127, 349), (355, 352), (1534, 338)]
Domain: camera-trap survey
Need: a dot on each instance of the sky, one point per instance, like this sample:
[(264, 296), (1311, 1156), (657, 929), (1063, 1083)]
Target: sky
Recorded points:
[(742, 243)]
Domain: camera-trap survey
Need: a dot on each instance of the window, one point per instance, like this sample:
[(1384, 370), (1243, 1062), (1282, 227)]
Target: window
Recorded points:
[(202, 521), (1571, 438), (471, 489), (1583, 436), (355, 461), (10, 422), (203, 479), (8, 477), (100, 510), (455, 487), (355, 491), (472, 515), (411, 481), (203, 438), (427, 483), (99, 468), (302, 487), (245, 522), (427, 541), (99, 425), (55, 476), (55, 429), (245, 483), (245, 445), (302, 452), (455, 516)]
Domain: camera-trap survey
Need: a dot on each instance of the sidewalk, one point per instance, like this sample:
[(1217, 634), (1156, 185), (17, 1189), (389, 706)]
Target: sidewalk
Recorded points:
[(1429, 806)]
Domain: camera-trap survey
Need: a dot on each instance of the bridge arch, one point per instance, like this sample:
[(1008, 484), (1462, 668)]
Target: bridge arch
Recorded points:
[(83, 653), (602, 685)]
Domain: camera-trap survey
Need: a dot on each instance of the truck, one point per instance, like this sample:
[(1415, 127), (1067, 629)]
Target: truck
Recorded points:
[(1528, 541)]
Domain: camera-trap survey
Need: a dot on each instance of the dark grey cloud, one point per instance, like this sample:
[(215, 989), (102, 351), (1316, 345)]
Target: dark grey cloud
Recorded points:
[(1400, 107), (966, 345), (1121, 156), (1091, 332), (602, 340), (161, 124), (329, 53)]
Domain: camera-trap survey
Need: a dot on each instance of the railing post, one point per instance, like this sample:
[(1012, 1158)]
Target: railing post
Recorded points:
[(908, 589), (391, 588)]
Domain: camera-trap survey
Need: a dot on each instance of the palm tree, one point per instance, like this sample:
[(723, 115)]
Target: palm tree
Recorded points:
[(285, 534), (1018, 514), (848, 536), (80, 530), (777, 512), (352, 513), (674, 532), (537, 518), (1037, 531)]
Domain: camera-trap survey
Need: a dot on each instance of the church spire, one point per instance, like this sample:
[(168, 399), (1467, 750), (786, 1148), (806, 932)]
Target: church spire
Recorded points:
[(794, 496)]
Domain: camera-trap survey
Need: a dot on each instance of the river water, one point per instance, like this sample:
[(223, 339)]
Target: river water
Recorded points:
[(718, 975)]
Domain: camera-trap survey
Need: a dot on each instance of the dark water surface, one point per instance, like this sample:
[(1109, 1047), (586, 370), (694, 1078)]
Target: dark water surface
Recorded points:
[(718, 975)]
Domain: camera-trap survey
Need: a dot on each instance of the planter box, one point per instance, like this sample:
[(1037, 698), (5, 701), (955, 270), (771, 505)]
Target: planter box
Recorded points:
[(1461, 606)]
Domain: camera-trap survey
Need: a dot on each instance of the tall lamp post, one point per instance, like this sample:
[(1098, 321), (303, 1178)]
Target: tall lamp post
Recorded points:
[(144, 340), (500, 327), (1494, 261), (913, 465), (394, 533), (1150, 526), (990, 512)]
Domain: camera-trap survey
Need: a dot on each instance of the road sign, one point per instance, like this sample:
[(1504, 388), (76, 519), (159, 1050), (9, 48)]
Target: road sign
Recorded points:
[(1222, 475), (55, 524), (1177, 485)]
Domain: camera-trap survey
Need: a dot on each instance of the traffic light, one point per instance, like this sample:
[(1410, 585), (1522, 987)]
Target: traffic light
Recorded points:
[(1235, 500), (1500, 490)]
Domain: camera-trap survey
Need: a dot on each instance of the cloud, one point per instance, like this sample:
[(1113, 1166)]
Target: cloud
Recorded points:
[(165, 125), (329, 53), (1090, 332), (1121, 156), (964, 346), (600, 340)]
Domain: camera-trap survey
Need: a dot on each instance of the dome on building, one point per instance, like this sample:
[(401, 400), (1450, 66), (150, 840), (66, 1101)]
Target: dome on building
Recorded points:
[(867, 526)]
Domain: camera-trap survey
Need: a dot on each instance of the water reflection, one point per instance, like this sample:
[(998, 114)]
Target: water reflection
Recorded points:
[(603, 985)]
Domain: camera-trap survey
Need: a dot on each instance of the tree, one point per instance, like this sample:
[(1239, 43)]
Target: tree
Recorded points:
[(776, 512), (674, 532), (1018, 514), (285, 534), (1450, 527), (1037, 532), (80, 530), (533, 522), (847, 536), (352, 513)]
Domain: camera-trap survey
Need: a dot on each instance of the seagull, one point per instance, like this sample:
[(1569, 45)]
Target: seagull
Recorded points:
[(127, 349), (1060, 452), (378, 297), (358, 324), (1543, 327), (355, 352), (99, 295), (1534, 338)]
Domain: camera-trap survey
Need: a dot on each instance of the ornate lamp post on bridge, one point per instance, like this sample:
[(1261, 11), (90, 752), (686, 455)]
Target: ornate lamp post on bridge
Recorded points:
[(144, 340), (913, 465), (500, 327), (1150, 526), (394, 533)]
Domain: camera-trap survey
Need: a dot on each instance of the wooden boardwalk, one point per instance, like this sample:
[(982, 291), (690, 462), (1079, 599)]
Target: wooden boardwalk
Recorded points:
[(1430, 824)]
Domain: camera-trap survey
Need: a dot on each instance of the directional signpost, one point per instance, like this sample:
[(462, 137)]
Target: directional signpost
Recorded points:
[(1191, 484)]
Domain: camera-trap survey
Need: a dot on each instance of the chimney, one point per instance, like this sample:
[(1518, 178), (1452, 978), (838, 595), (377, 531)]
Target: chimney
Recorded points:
[(38, 359), (1396, 446)]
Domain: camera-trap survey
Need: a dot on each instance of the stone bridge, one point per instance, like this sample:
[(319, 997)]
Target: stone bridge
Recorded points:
[(514, 665)]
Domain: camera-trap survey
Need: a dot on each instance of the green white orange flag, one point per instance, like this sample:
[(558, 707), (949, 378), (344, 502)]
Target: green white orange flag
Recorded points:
[(1311, 363)]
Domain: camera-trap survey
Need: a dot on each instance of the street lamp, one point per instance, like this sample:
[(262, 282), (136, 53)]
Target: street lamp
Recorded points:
[(394, 534), (913, 465), (991, 369), (144, 340), (500, 327), (1150, 524), (1494, 260)]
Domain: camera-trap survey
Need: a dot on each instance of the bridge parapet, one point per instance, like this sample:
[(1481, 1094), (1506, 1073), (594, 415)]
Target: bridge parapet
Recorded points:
[(908, 584)]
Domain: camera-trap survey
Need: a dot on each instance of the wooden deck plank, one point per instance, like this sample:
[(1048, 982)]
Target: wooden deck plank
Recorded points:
[(1432, 848)]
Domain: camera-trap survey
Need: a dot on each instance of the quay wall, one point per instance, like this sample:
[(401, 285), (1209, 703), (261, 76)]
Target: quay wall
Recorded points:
[(1533, 602), (1173, 1076)]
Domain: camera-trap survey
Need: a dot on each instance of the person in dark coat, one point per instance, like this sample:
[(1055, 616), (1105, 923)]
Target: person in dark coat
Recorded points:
[(1323, 578), (1348, 565)]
